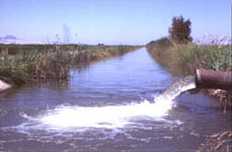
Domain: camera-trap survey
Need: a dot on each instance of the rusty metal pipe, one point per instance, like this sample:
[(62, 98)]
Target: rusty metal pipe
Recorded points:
[(213, 79)]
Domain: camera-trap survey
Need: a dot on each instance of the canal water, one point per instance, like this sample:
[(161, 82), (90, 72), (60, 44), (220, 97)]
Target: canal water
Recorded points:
[(128, 103)]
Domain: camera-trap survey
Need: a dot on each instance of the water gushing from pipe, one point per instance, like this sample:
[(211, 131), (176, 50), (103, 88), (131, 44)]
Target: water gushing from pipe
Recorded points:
[(116, 116)]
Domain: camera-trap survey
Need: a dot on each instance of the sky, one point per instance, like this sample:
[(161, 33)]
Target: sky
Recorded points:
[(110, 21)]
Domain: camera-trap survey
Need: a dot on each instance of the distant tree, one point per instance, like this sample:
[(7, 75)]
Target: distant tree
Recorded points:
[(180, 30)]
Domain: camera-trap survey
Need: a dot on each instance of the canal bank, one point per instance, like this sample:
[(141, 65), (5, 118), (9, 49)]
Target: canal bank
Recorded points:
[(184, 59)]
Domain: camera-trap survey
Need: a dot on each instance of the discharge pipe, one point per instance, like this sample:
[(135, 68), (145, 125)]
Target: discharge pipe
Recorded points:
[(210, 79)]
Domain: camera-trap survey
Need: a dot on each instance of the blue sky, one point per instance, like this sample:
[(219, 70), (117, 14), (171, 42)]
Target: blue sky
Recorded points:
[(110, 21)]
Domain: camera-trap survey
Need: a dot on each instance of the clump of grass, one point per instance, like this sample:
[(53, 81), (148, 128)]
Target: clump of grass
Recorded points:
[(212, 56), (52, 65), (17, 68), (33, 65)]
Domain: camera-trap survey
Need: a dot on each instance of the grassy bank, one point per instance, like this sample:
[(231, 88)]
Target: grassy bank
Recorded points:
[(183, 59), (20, 64)]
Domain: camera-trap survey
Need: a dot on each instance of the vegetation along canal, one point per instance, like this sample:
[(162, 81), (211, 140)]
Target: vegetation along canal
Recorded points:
[(114, 105)]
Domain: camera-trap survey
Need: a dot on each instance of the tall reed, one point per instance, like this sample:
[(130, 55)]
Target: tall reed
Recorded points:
[(25, 63)]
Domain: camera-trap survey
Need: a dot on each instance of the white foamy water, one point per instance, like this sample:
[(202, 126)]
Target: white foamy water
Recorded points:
[(104, 117), (116, 116), (4, 86)]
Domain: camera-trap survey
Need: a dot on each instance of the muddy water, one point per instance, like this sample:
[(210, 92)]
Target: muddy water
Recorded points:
[(115, 105)]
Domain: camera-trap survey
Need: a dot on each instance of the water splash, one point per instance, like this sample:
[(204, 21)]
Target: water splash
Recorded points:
[(102, 117), (176, 89), (118, 116), (4, 86)]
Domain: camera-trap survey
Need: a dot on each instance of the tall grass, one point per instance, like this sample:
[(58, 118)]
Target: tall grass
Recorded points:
[(185, 58), (25, 63), (33, 65)]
